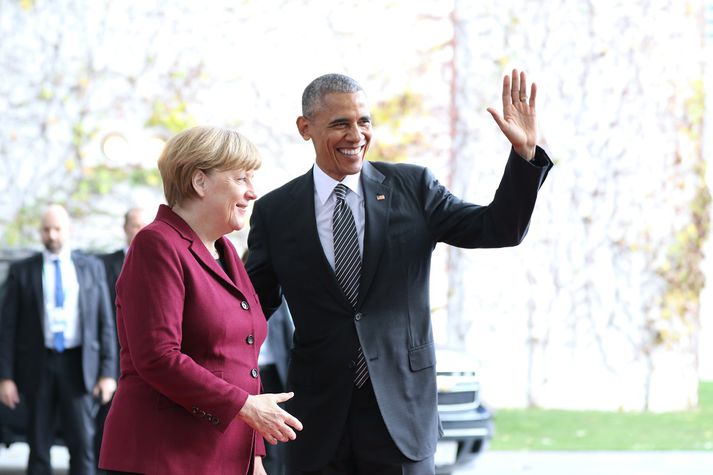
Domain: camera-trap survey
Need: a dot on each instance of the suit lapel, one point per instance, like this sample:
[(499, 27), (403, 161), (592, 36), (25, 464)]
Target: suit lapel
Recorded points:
[(203, 256), (377, 202), (304, 226), (199, 251)]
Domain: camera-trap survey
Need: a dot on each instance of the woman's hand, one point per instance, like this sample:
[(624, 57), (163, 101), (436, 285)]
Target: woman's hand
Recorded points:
[(273, 423)]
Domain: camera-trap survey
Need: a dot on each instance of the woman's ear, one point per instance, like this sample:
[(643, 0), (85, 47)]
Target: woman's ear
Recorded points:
[(199, 182)]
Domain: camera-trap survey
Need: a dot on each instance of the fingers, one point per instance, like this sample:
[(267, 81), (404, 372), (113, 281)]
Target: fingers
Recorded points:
[(282, 397), (515, 89), (496, 116)]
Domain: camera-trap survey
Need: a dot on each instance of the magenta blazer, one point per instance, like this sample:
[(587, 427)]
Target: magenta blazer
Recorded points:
[(190, 333)]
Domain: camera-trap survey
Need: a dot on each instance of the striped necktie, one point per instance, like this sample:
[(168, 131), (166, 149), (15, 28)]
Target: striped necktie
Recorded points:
[(347, 265)]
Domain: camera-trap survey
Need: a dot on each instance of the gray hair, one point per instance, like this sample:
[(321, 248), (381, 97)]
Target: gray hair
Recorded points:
[(323, 85)]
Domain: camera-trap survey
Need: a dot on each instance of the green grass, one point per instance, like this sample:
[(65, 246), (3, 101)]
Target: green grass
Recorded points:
[(538, 429)]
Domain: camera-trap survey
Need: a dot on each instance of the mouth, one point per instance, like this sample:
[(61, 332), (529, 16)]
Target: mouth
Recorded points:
[(351, 152)]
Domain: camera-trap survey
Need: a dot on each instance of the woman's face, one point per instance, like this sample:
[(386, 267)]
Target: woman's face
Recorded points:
[(228, 194)]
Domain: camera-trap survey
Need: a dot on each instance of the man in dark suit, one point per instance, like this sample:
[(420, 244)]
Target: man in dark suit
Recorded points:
[(134, 221), (57, 345), (349, 245)]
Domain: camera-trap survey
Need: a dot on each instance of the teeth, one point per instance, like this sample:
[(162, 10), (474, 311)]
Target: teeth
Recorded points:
[(350, 151)]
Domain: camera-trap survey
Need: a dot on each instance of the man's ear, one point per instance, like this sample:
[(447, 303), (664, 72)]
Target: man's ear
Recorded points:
[(199, 183), (303, 127)]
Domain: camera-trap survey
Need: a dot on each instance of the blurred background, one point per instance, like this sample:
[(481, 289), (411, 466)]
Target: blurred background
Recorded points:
[(603, 307)]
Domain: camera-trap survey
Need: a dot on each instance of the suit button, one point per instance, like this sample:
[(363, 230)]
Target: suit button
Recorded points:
[(250, 340), (253, 373), (245, 305), (358, 316), (202, 413), (215, 421), (194, 410)]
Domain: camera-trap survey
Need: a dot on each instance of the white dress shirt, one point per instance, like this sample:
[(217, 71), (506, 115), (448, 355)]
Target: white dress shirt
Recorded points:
[(324, 203), (66, 318)]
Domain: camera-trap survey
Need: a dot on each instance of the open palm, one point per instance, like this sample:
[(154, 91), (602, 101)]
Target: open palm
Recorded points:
[(518, 121)]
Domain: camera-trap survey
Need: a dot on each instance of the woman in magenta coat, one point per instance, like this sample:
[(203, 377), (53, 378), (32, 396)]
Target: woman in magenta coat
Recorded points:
[(190, 325)]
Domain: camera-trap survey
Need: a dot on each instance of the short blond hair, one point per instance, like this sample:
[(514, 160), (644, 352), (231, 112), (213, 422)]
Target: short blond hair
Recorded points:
[(206, 149)]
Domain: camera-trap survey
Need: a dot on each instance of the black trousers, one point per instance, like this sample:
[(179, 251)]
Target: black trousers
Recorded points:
[(274, 461), (366, 448), (61, 391)]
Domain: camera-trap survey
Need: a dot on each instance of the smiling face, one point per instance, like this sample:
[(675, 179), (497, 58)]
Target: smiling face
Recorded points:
[(340, 130), (227, 195)]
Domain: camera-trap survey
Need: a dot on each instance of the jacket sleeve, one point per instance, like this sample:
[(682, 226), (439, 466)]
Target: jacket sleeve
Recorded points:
[(9, 308), (259, 266), (107, 328), (504, 222)]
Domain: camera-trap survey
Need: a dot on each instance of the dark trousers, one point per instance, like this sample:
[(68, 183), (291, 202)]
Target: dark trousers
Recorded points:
[(366, 448), (101, 418), (274, 461), (61, 390)]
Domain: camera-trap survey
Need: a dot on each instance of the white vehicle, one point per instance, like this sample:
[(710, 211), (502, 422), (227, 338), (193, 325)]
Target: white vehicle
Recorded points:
[(467, 424)]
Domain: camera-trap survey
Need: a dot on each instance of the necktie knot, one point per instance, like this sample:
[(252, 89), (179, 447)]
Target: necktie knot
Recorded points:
[(340, 191)]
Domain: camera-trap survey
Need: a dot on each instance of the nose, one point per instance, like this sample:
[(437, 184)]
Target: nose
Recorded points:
[(354, 133), (250, 192)]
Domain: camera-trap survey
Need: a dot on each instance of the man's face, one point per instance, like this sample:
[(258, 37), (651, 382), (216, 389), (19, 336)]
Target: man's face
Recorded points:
[(340, 130), (54, 230), (134, 222)]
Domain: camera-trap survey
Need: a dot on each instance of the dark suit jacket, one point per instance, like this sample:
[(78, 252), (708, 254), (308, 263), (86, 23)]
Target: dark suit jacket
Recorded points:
[(190, 334), (112, 264), (22, 341), (280, 329), (407, 213)]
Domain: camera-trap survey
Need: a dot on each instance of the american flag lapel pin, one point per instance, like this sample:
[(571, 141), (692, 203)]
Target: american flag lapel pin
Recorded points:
[(380, 197)]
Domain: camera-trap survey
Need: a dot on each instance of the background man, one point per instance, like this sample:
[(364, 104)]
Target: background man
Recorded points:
[(349, 244), (134, 221), (57, 345)]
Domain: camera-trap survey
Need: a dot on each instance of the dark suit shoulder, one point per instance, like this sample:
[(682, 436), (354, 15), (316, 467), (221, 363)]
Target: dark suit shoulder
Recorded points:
[(399, 169), (26, 262), (84, 257), (112, 257)]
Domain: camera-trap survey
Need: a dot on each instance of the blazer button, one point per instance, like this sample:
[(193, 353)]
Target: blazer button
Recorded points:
[(215, 421), (253, 373), (194, 410), (250, 340), (358, 316), (245, 305)]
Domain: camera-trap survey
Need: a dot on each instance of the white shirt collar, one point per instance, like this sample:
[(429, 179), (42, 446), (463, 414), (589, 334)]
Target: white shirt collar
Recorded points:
[(324, 184), (65, 255)]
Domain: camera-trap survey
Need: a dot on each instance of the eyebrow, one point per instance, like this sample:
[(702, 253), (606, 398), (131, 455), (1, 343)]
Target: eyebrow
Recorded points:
[(344, 120)]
